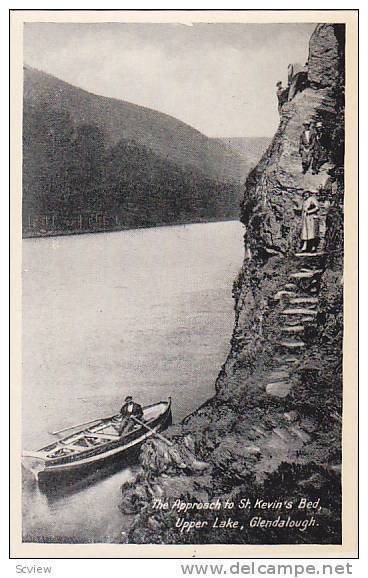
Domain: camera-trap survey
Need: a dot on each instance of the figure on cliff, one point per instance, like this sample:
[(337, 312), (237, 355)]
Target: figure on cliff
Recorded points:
[(320, 155), (282, 95), (306, 145), (129, 408), (309, 231), (297, 78)]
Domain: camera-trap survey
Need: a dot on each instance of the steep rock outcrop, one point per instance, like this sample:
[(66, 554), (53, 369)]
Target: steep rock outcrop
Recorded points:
[(324, 53), (273, 429)]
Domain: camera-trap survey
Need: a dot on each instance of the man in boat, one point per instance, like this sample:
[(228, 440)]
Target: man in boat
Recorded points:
[(128, 410)]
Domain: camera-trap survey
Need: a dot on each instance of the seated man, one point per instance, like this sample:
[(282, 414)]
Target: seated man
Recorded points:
[(129, 408)]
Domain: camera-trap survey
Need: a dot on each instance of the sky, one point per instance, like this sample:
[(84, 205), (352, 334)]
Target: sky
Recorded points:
[(219, 78)]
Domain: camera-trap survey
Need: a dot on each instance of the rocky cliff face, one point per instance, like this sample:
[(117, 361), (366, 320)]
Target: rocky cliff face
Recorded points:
[(273, 429)]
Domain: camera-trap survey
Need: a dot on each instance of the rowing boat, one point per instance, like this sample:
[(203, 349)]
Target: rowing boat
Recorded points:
[(96, 444)]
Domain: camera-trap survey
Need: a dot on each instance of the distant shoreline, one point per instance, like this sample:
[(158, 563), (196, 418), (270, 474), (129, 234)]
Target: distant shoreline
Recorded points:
[(90, 231)]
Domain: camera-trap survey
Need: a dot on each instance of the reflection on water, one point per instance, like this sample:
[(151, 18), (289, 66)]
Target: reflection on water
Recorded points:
[(147, 312), (79, 513), (60, 488)]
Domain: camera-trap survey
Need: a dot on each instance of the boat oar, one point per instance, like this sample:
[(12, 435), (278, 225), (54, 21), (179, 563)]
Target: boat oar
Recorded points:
[(151, 430), (77, 425)]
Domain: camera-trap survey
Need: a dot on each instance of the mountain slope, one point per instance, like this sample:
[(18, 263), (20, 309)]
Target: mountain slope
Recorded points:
[(92, 163), (249, 149), (167, 136)]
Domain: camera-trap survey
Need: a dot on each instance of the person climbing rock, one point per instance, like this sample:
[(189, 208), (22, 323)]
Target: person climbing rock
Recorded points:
[(297, 79), (306, 145), (309, 230), (281, 94), (319, 155)]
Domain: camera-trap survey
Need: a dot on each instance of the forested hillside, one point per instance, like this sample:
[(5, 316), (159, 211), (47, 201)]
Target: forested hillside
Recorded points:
[(95, 163)]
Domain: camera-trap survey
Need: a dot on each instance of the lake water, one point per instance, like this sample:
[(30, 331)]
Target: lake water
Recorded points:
[(146, 312)]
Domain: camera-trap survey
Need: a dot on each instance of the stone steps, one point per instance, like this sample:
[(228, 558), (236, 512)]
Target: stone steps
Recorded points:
[(283, 359), (292, 344), (278, 388), (302, 254), (298, 300), (299, 311), (307, 292), (289, 434), (306, 274), (302, 302), (291, 360), (291, 321), (284, 294), (293, 329), (290, 286)]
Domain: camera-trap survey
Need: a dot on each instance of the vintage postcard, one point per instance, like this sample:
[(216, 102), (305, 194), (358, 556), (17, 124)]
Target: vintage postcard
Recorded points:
[(184, 283)]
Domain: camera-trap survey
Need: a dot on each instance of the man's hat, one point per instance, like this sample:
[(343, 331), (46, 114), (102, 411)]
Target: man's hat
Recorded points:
[(306, 122), (319, 124), (128, 398)]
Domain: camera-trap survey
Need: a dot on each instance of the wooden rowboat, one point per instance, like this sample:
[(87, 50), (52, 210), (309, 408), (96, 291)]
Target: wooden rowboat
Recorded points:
[(96, 444)]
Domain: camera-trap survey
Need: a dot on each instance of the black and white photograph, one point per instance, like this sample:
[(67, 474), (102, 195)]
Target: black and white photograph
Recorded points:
[(184, 195)]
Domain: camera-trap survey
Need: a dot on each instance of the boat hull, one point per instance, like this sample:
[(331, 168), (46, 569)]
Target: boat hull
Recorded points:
[(116, 453)]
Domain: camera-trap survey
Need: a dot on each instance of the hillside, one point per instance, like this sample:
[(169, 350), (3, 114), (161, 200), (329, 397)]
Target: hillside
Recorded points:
[(272, 432), (100, 163), (167, 136), (249, 149)]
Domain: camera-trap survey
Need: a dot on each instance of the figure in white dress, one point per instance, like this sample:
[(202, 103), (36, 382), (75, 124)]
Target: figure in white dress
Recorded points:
[(309, 232)]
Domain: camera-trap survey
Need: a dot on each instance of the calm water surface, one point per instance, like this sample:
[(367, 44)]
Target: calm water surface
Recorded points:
[(147, 312)]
